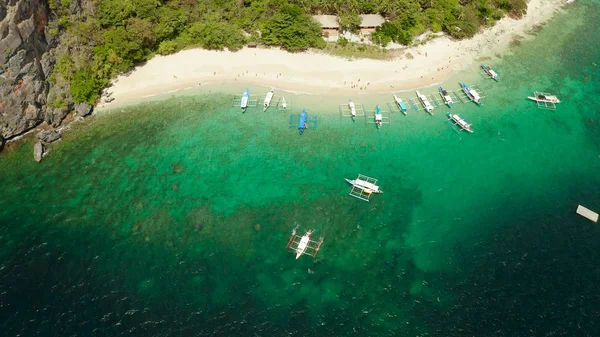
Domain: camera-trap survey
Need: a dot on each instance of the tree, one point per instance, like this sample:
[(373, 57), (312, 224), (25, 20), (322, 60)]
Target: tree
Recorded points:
[(145, 9), (171, 21), (127, 47), (293, 30), (350, 22), (114, 12), (143, 30), (85, 87)]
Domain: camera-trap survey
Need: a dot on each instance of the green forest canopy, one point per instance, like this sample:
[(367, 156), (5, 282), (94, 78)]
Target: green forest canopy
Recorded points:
[(118, 34)]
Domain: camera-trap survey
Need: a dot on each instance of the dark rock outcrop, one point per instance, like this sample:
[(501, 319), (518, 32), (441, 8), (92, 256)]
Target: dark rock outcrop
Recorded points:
[(83, 109), (48, 136), (26, 62), (38, 151)]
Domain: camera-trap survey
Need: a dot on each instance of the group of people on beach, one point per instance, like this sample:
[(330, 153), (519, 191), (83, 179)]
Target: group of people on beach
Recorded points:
[(352, 85)]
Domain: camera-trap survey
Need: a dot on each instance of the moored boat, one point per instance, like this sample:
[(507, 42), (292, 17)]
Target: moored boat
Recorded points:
[(302, 121), (352, 108), (364, 185), (459, 121), (400, 104), (471, 93), (490, 72), (268, 99), (303, 244), (378, 117), (428, 107), (544, 98), (446, 97), (283, 104), (244, 101)]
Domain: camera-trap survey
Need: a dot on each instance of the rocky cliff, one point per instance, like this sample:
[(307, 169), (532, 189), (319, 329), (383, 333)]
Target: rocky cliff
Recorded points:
[(26, 61)]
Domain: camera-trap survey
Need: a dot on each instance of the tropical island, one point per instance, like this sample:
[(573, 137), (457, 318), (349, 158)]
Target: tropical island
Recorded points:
[(59, 56)]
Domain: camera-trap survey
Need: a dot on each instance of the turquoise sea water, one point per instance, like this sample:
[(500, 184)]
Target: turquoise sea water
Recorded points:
[(170, 218)]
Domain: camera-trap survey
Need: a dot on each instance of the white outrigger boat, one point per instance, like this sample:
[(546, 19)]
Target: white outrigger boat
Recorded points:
[(400, 104), (283, 104), (459, 121), (267, 101), (490, 72), (544, 101), (363, 187), (428, 107), (446, 97), (245, 99), (352, 108), (303, 245), (545, 98), (471, 93)]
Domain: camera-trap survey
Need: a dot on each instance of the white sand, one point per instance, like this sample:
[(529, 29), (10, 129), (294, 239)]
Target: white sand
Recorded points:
[(314, 72)]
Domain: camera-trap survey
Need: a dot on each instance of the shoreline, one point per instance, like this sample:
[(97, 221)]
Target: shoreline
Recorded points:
[(312, 72)]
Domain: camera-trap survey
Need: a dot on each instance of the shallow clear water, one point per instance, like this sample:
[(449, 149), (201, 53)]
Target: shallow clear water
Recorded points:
[(171, 217)]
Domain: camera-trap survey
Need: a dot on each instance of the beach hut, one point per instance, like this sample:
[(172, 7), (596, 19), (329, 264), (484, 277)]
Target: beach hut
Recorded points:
[(370, 22), (329, 24)]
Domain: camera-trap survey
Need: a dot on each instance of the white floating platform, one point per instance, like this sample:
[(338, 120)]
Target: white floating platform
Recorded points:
[(593, 216)]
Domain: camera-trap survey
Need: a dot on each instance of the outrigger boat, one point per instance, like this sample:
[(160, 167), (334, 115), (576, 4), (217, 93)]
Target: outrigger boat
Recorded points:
[(283, 104), (352, 108), (268, 99), (472, 94), (425, 103), (544, 98), (378, 117), (446, 97), (400, 104), (302, 121), (459, 121), (363, 187), (304, 245), (244, 101), (490, 72)]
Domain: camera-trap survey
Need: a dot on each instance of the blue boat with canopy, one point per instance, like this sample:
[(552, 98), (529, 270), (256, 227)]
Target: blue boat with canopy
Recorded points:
[(302, 121)]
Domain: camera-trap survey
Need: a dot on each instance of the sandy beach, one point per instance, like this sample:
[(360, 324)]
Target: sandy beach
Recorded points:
[(314, 72)]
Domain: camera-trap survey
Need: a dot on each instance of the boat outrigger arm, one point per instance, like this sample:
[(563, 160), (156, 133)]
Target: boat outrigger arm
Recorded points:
[(303, 245)]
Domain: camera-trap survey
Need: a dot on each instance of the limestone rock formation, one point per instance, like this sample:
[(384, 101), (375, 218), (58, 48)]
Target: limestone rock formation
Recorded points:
[(83, 109), (26, 62), (48, 136), (38, 151)]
